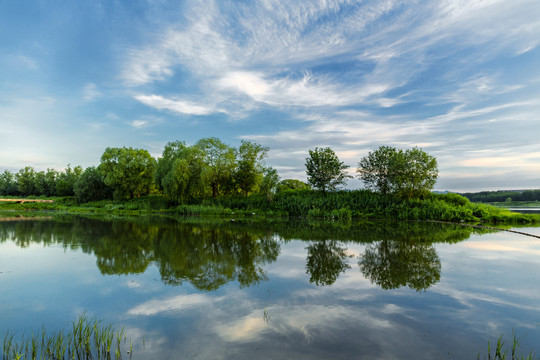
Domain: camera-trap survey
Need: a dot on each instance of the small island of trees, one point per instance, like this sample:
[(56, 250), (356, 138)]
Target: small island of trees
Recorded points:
[(211, 177)]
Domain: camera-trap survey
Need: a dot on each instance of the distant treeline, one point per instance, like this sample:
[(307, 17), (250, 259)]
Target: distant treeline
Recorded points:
[(504, 195)]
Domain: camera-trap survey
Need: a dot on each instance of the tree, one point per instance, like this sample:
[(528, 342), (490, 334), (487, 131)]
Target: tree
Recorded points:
[(269, 182), (376, 169), (324, 170), (408, 174), (90, 186), (26, 181), (129, 172), (416, 174), (179, 171), (46, 182), (8, 183), (250, 168), (220, 163), (292, 184), (65, 181)]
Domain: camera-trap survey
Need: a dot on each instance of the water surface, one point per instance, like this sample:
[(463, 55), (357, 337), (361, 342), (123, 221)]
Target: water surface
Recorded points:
[(208, 289)]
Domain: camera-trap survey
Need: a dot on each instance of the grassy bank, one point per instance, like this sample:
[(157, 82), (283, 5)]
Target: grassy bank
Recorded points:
[(310, 204)]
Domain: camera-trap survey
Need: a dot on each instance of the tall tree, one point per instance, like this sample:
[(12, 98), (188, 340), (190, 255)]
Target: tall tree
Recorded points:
[(66, 180), (376, 169), (410, 173), (324, 170), (269, 183), (8, 183), (249, 173), (128, 171), (26, 181), (220, 163), (90, 186)]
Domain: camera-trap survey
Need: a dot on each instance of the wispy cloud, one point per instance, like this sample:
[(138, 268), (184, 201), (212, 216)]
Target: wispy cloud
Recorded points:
[(91, 92), (174, 105)]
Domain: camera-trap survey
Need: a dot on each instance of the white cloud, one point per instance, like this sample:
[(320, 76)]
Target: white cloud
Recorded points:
[(174, 105), (91, 92)]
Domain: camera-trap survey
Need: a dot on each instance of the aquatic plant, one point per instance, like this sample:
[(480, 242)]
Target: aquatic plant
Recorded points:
[(87, 339), (499, 352)]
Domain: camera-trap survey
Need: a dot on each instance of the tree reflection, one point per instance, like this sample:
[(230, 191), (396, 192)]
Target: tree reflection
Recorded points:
[(325, 261), (210, 253), (392, 264)]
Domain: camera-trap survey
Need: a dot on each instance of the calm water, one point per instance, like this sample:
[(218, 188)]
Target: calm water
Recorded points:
[(201, 289)]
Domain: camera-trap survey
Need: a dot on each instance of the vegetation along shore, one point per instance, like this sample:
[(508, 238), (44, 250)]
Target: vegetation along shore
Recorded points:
[(214, 179)]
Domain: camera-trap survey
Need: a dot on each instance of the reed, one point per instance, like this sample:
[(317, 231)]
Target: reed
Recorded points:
[(500, 352), (87, 339)]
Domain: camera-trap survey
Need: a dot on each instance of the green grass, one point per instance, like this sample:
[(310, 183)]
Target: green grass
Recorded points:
[(87, 339), (499, 351), (339, 205)]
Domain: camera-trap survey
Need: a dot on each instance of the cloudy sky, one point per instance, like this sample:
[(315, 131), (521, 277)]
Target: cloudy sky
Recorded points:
[(458, 78)]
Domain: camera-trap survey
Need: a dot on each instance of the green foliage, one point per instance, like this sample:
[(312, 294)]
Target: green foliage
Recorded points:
[(26, 181), (500, 352), (129, 172), (8, 184), (324, 170), (250, 170), (90, 186), (87, 339), (179, 172), (292, 184), (219, 164), (503, 195), (269, 182), (408, 174), (66, 180)]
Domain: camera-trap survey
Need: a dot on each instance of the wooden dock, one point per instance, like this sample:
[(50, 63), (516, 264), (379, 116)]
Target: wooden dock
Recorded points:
[(22, 201)]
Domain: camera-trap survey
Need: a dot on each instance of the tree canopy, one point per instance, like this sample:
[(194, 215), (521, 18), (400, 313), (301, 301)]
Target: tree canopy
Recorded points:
[(128, 171), (324, 170), (406, 173)]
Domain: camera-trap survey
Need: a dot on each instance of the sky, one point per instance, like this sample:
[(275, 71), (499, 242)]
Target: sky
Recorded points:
[(458, 78)]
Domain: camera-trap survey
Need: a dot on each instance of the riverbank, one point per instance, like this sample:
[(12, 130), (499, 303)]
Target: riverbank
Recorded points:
[(362, 204)]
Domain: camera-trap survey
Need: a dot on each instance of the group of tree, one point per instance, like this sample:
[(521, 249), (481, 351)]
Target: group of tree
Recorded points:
[(28, 181), (405, 173), (210, 168), (504, 195)]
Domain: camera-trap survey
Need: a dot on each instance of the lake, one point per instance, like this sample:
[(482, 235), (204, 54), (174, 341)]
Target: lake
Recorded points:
[(246, 289)]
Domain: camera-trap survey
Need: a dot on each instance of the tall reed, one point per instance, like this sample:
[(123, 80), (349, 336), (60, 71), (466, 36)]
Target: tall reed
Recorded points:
[(87, 339)]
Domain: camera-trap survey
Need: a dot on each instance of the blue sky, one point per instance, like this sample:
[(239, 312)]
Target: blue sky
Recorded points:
[(458, 78)]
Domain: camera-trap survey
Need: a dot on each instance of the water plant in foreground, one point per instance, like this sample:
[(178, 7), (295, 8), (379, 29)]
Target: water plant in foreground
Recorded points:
[(500, 352), (87, 339)]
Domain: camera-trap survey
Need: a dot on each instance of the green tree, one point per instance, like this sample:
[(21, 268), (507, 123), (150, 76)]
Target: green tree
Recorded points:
[(220, 164), (8, 183), (324, 170), (26, 181), (249, 173), (269, 183), (46, 182), (179, 171), (292, 184), (417, 173), (128, 171), (90, 186), (377, 169), (65, 181), (410, 173)]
